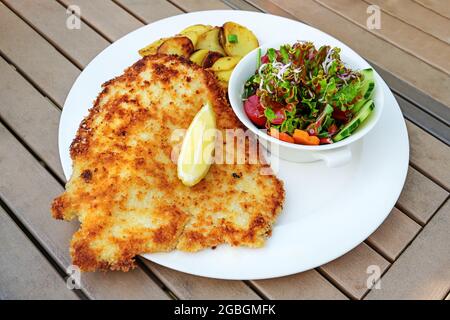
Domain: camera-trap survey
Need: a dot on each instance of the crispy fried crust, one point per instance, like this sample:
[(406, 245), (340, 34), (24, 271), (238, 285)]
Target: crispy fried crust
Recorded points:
[(124, 187)]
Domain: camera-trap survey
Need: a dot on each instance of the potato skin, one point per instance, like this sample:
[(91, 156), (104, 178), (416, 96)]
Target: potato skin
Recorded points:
[(152, 48), (211, 58), (246, 40), (180, 46), (193, 32), (225, 63), (210, 41)]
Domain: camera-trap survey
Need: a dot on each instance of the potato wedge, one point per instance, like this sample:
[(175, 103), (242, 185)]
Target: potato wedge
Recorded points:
[(237, 40), (210, 40), (152, 48), (180, 46), (225, 63), (211, 58), (198, 56), (193, 32), (223, 75)]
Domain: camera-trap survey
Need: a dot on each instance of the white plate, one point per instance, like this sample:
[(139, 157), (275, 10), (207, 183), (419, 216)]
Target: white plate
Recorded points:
[(327, 211)]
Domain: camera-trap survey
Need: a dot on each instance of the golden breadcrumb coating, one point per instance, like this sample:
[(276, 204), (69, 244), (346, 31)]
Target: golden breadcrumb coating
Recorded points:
[(124, 187)]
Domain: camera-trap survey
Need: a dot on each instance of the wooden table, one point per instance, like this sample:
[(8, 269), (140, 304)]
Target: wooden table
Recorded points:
[(40, 59)]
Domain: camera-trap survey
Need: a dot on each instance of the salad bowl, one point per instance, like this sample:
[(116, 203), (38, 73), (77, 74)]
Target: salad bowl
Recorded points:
[(334, 154)]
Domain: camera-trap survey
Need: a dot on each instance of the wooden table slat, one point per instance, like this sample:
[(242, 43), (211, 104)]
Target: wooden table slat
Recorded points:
[(24, 271), (420, 197), (199, 5), (150, 11), (106, 17), (422, 271), (351, 271), (429, 155), (28, 189), (416, 15), (396, 232), (432, 81), (81, 45), (41, 62), (415, 42), (303, 286), (25, 111), (439, 6), (186, 286)]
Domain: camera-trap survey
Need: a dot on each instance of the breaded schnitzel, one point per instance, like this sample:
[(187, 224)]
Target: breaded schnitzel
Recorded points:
[(124, 187)]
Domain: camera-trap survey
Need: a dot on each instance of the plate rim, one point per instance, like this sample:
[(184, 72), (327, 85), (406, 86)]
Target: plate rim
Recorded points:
[(234, 12)]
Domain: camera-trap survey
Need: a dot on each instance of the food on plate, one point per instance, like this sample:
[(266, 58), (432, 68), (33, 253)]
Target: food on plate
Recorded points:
[(210, 41), (237, 40), (197, 149), (195, 31), (225, 64), (152, 48), (125, 190), (308, 96), (209, 44), (180, 46)]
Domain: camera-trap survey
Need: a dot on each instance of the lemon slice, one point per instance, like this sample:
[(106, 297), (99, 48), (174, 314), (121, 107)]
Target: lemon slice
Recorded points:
[(196, 152)]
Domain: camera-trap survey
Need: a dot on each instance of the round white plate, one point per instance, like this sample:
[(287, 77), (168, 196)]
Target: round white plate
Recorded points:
[(328, 211)]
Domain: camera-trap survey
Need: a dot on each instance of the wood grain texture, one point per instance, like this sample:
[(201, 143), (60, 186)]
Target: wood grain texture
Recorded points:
[(43, 140), (429, 155), (199, 5), (106, 17), (350, 272), (416, 15), (422, 271), (394, 235), (24, 272), (433, 82), (414, 41), (31, 116), (188, 287), (40, 61), (420, 197), (309, 285), (82, 44), (439, 6), (28, 189), (149, 11)]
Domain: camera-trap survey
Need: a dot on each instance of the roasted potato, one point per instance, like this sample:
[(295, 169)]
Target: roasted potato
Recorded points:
[(223, 75), (198, 56), (211, 58), (193, 32), (180, 46), (210, 41), (225, 63), (152, 48), (237, 40)]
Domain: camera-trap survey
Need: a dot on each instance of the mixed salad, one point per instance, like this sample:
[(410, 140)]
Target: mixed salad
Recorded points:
[(308, 96)]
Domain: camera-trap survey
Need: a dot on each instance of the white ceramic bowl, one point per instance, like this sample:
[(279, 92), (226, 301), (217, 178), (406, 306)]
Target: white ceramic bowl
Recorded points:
[(335, 154)]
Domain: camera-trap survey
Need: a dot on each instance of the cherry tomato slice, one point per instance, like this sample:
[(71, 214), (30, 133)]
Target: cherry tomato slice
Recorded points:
[(280, 116), (255, 111)]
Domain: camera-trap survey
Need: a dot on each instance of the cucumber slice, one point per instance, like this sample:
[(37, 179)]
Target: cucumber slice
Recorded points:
[(368, 86), (367, 89), (359, 118)]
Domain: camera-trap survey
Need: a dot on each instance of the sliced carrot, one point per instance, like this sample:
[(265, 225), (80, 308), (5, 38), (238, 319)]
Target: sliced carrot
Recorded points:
[(301, 136), (281, 135), (314, 141), (285, 137)]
